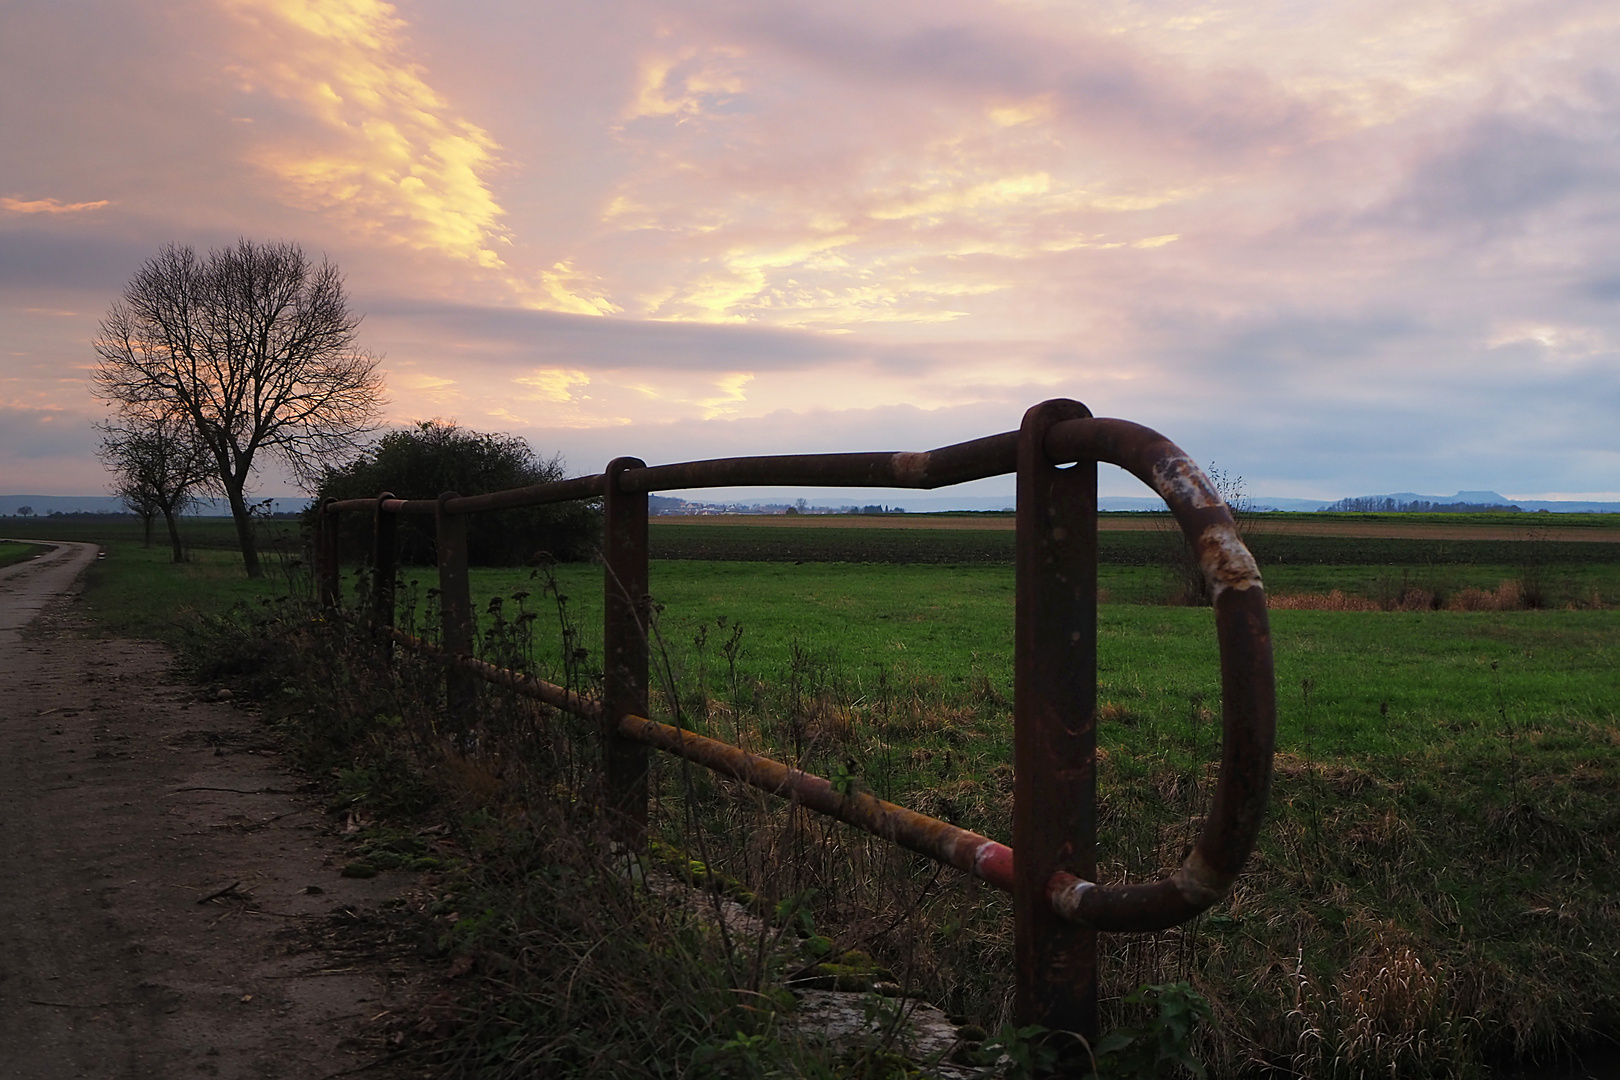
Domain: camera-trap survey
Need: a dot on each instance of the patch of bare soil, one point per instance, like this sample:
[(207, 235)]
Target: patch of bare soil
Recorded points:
[(172, 903)]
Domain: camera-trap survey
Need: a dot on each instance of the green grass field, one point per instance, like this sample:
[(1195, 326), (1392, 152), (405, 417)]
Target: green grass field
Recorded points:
[(14, 553), (138, 591), (694, 539), (1131, 563), (1381, 680), (1434, 887)]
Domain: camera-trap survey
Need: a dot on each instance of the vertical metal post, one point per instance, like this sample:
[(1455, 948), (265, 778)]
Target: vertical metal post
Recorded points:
[(327, 583), (455, 607), (384, 565), (1054, 716), (624, 640)]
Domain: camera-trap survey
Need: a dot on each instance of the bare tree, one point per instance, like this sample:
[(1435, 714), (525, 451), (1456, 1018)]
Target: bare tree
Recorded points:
[(255, 346), (138, 498), (158, 466)]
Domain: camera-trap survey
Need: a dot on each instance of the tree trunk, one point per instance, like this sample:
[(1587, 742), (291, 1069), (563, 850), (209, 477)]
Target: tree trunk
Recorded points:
[(146, 525), (244, 530), (174, 535)]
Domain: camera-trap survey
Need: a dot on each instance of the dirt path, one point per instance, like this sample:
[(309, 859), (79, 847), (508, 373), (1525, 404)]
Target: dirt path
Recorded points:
[(125, 803)]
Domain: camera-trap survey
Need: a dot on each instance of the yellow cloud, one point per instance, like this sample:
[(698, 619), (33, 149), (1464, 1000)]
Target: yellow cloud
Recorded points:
[(423, 381), (554, 384), (1136, 202), (389, 157), (1023, 112), (565, 289), (816, 253), (49, 206), (956, 200), (684, 84), (1157, 241), (731, 395), (713, 297), (746, 290)]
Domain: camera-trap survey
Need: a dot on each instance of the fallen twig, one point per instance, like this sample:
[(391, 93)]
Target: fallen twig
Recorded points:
[(278, 817), (216, 895)]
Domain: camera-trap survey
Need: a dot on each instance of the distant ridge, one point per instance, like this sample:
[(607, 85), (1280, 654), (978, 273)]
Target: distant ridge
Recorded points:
[(46, 505), (930, 503), (1490, 498)]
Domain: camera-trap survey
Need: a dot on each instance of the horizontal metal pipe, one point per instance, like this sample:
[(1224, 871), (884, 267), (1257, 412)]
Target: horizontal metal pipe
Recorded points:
[(387, 506), (946, 843), (334, 505), (527, 685), (955, 464), (943, 842), (581, 487)]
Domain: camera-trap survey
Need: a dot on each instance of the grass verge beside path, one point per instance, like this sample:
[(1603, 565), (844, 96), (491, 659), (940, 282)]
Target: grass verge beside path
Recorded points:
[(11, 552), (140, 592)]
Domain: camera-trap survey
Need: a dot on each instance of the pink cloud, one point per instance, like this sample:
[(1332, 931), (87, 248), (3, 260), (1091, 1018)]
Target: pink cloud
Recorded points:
[(50, 206)]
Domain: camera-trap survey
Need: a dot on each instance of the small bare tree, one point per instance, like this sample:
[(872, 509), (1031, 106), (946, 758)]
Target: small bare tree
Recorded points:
[(255, 346), (158, 467), (139, 502)]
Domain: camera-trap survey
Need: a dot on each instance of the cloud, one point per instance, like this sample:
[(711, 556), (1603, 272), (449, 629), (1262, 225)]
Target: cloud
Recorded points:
[(686, 84), (377, 146), (520, 339), (554, 385), (1095, 84), (49, 206), (32, 433), (1495, 175), (846, 169), (1316, 248), (35, 257)]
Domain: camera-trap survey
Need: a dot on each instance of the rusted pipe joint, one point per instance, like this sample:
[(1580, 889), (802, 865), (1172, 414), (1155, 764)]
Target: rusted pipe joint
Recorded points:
[(1248, 685)]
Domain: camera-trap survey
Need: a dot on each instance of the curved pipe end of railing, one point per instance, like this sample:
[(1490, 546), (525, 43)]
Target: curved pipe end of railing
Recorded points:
[(1248, 685)]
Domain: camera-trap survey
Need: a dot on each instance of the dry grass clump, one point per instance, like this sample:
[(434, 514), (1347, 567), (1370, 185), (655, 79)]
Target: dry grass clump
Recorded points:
[(1593, 601), (1507, 596), (1510, 595), (1385, 1014), (1336, 600)]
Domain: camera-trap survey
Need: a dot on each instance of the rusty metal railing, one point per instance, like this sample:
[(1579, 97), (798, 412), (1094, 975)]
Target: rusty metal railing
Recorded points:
[(1059, 906)]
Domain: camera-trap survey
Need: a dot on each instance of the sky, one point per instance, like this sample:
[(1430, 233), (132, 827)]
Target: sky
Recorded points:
[(1332, 247)]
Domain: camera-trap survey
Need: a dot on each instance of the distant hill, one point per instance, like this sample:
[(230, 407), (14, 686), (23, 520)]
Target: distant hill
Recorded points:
[(1466, 500), (931, 502), (46, 505)]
